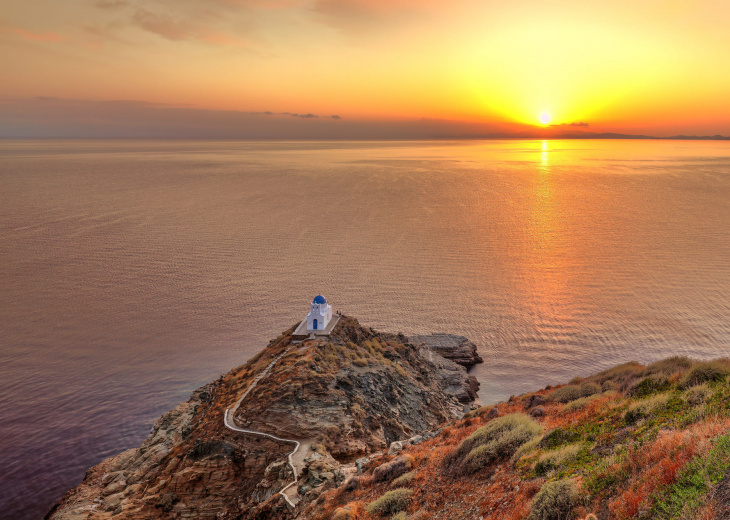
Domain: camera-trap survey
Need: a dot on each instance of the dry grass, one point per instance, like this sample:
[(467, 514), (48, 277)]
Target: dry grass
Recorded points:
[(657, 465), (639, 462), (499, 439), (342, 513)]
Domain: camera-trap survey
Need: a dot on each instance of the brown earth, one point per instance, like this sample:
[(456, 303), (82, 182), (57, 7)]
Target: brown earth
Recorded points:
[(354, 393)]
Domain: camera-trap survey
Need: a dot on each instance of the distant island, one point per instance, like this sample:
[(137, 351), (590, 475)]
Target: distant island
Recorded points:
[(529, 134), (356, 424), (609, 135)]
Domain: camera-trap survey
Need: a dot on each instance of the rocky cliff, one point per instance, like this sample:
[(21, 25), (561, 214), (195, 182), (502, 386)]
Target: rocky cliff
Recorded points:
[(456, 348), (343, 398)]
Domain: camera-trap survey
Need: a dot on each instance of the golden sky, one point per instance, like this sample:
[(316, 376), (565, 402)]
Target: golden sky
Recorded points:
[(632, 66)]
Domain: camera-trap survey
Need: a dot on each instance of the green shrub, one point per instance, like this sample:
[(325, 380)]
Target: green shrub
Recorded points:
[(498, 439), (392, 502), (565, 394), (528, 447), (668, 367), (478, 458), (710, 372), (634, 416), (697, 394), (579, 404), (622, 375), (619, 371), (555, 459), (554, 501), (588, 389), (544, 466), (404, 480), (558, 437), (649, 385), (609, 386), (644, 408), (400, 516)]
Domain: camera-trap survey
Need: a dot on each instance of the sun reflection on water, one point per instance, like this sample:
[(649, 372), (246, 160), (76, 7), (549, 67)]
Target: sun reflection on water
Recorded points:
[(549, 255)]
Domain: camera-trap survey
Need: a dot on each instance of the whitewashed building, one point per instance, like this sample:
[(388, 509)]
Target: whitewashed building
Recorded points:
[(320, 314)]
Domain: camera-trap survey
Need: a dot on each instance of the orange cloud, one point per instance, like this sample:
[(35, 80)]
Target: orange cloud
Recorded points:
[(34, 36), (223, 40), (357, 15), (164, 25)]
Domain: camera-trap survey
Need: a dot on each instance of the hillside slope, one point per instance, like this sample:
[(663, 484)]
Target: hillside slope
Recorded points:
[(632, 442)]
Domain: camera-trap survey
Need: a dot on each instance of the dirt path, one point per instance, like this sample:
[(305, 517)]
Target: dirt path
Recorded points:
[(228, 419)]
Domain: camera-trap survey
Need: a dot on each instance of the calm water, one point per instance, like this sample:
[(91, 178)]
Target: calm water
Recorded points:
[(134, 272)]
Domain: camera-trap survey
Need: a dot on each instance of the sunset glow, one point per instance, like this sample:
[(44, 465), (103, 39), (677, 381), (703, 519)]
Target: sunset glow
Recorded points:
[(469, 67)]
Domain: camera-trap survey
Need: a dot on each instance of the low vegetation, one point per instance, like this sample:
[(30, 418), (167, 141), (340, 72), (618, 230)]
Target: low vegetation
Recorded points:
[(393, 469), (498, 440), (392, 502), (404, 480), (712, 372), (629, 443), (555, 501), (689, 493)]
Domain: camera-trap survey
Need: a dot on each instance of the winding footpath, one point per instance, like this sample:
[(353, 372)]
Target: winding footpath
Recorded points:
[(228, 420)]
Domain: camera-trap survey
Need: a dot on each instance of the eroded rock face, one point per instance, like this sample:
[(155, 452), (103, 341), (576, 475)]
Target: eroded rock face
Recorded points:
[(344, 399), (456, 348)]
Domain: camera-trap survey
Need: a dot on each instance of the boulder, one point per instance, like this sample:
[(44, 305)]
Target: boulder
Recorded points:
[(456, 348)]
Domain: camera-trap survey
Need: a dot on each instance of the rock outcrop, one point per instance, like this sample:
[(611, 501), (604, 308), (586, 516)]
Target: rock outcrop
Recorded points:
[(344, 398), (456, 348)]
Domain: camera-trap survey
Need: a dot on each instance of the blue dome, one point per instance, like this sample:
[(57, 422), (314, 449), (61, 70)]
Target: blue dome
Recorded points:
[(319, 299)]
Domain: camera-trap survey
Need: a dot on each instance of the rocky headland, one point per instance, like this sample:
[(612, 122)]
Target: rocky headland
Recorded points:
[(387, 428), (343, 398)]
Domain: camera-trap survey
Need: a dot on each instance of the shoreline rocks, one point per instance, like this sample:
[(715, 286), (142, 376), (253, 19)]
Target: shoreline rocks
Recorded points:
[(456, 348)]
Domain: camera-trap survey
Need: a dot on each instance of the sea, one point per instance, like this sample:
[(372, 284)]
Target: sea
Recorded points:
[(133, 272)]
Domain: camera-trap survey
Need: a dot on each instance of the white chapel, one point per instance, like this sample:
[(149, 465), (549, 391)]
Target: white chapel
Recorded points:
[(320, 314)]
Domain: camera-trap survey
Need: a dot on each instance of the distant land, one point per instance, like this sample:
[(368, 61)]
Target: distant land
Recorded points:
[(55, 118), (611, 135)]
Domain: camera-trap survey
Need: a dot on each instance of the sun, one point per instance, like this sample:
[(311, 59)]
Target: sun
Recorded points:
[(544, 118)]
